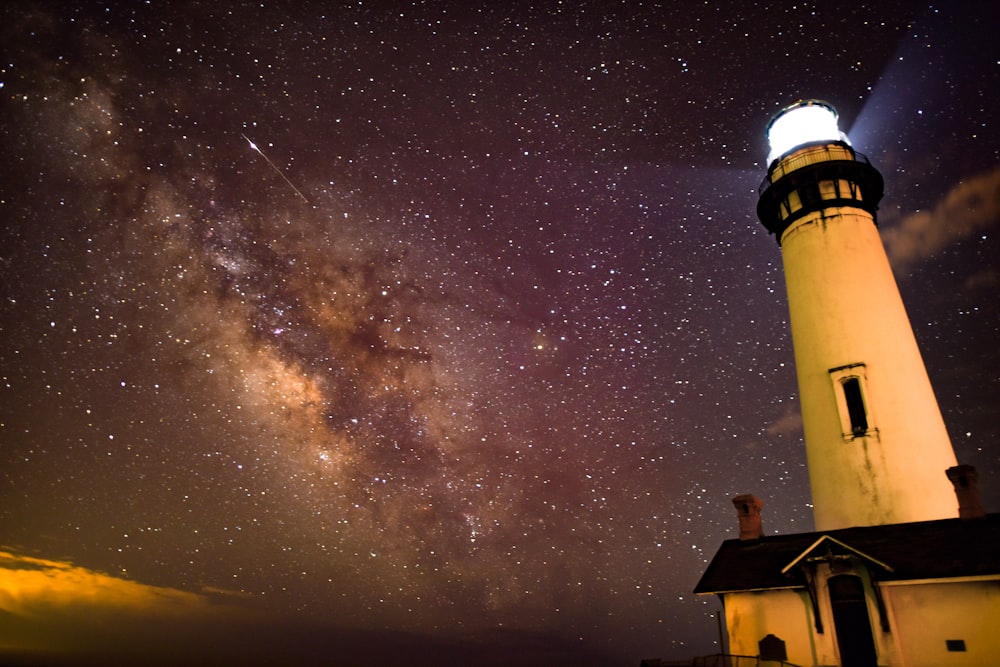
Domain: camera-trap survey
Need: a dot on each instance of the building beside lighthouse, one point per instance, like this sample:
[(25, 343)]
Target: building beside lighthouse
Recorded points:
[(904, 566)]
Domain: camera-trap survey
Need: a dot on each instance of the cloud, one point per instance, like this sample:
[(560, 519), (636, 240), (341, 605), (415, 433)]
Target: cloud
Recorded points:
[(58, 614), (788, 424), (969, 207), (29, 586), (60, 611), (986, 279)]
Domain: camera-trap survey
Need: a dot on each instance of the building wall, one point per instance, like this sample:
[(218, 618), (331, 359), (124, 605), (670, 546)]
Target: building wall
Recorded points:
[(922, 617), (786, 614), (926, 615)]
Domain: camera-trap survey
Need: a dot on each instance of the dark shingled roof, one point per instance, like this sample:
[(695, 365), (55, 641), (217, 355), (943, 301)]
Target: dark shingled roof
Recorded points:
[(923, 550)]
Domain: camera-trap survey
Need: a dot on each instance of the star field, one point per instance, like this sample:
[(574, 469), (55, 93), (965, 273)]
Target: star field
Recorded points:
[(447, 321)]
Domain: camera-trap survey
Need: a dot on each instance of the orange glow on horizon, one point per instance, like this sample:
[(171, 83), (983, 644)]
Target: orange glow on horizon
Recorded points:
[(64, 609)]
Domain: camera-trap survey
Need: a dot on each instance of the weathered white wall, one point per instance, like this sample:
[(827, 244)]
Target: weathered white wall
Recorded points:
[(845, 309), (921, 617), (786, 614), (926, 615)]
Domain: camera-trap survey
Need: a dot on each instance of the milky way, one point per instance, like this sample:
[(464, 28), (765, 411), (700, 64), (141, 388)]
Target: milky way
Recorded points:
[(448, 320)]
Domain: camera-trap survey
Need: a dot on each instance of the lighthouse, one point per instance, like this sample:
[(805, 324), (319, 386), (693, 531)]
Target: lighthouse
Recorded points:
[(903, 567), (876, 443)]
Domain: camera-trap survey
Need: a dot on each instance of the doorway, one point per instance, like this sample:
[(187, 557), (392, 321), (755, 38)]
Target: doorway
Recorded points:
[(851, 621)]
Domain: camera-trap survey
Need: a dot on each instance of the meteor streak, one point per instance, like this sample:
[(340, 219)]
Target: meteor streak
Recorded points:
[(274, 166)]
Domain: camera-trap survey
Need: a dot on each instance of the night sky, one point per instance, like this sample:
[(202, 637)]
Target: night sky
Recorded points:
[(347, 332)]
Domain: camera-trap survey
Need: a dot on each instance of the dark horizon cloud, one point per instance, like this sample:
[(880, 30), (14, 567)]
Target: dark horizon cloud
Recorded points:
[(58, 613)]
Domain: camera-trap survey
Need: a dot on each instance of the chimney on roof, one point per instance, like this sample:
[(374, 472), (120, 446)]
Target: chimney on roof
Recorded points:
[(965, 479), (748, 511)]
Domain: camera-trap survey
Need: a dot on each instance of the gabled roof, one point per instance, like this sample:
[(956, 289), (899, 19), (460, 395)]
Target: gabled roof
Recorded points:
[(948, 548), (828, 546)]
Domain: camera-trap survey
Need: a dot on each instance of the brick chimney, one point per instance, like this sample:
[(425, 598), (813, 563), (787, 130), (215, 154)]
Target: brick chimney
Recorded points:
[(748, 511), (965, 479)]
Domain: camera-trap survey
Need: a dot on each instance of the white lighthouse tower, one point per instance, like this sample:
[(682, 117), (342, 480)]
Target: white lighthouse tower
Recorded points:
[(876, 443)]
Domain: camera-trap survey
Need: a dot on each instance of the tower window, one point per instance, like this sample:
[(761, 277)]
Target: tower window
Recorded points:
[(855, 406), (850, 389)]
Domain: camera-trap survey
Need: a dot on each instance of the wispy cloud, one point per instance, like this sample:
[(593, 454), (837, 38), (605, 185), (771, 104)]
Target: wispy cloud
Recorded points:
[(789, 424), (968, 208)]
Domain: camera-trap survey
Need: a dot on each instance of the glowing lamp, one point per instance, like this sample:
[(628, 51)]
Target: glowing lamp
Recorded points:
[(805, 122)]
